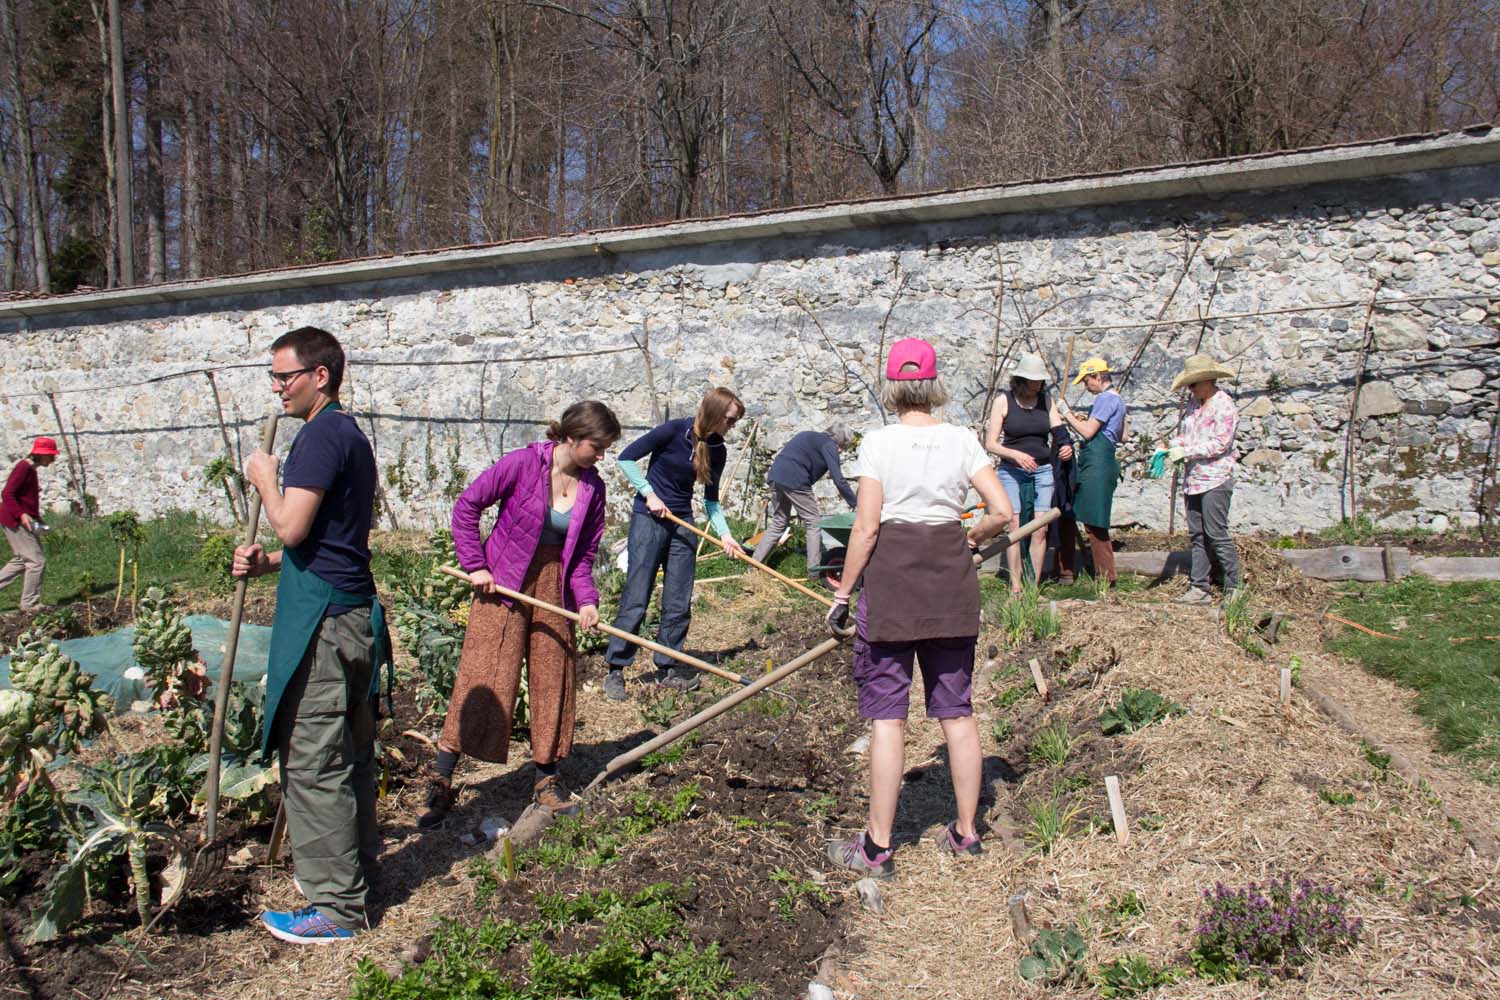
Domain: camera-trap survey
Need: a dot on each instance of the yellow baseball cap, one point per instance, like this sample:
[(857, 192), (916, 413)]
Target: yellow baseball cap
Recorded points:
[(1093, 366)]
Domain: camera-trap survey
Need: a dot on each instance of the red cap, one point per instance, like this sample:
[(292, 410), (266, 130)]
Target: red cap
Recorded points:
[(44, 446), (911, 351)]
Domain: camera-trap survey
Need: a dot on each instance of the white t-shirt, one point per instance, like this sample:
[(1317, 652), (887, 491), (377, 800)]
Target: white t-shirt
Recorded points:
[(923, 472)]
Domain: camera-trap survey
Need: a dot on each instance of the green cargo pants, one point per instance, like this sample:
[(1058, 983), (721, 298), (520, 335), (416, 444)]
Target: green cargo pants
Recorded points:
[(325, 739)]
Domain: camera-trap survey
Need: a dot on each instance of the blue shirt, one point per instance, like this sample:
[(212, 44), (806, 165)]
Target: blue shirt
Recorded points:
[(671, 474), (1109, 410), (808, 457), (330, 453)]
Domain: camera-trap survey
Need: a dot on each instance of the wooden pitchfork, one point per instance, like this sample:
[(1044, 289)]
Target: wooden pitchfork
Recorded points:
[(209, 860)]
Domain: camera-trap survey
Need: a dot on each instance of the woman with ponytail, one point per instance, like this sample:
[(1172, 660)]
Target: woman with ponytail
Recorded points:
[(683, 454), (551, 519)]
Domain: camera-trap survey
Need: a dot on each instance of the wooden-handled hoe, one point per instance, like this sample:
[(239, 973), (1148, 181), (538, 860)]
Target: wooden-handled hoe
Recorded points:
[(209, 860)]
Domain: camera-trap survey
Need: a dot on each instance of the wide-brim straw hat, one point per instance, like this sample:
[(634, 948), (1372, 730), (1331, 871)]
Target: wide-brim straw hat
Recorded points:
[(1197, 368), (1029, 366)]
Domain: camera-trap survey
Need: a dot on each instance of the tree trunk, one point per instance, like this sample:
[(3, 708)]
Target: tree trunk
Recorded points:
[(124, 215), (155, 195), (41, 262), (193, 162)]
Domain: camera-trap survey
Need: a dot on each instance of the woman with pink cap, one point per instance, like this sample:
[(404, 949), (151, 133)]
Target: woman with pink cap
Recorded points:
[(20, 516), (919, 602)]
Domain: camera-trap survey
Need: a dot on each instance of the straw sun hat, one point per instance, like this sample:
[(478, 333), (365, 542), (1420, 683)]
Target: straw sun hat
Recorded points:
[(1198, 368)]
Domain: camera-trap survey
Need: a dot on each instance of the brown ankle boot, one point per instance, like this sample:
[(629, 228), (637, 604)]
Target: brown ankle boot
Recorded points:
[(552, 795), (440, 799)]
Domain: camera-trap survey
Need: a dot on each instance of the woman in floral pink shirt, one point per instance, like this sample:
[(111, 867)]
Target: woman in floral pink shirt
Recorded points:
[(1206, 444)]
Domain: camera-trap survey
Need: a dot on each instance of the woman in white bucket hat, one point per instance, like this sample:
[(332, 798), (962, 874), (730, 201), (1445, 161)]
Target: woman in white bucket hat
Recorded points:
[(1022, 432)]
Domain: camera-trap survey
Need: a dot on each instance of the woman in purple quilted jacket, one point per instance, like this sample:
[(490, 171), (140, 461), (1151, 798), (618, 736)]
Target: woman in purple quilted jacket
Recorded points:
[(551, 517)]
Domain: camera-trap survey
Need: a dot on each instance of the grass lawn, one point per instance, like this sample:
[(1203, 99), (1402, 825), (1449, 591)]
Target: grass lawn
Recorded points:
[(81, 548), (1458, 683)]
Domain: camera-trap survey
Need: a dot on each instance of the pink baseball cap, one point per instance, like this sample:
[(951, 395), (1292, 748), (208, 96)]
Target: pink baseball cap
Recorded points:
[(911, 351)]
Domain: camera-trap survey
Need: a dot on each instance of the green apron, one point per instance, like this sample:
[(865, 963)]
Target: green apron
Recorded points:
[(1098, 474), (302, 599)]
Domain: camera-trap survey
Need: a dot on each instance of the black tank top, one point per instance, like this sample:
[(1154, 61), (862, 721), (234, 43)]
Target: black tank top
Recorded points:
[(1027, 431)]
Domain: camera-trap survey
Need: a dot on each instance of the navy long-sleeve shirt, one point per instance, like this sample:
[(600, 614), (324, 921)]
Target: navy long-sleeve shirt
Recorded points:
[(808, 457), (671, 474)]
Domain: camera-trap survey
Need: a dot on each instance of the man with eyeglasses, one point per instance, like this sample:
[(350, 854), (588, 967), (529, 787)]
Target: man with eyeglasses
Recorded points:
[(328, 640)]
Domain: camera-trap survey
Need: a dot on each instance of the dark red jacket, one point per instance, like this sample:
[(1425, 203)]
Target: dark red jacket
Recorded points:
[(22, 495)]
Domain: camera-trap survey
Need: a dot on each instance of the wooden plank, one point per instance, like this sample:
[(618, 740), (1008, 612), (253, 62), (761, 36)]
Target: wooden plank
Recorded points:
[(1450, 569), (1360, 563), (1038, 679), (1117, 810), (1363, 563), (1152, 563), (1286, 686)]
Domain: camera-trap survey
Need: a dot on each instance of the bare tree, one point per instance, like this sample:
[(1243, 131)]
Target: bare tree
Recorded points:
[(868, 63)]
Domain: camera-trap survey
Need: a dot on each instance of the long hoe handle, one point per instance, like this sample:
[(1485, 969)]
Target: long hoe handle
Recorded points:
[(1024, 531), (231, 647), (715, 710), (655, 647), (825, 601)]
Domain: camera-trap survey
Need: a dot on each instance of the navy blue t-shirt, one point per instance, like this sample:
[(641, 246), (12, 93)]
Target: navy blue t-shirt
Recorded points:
[(331, 453), (671, 473)]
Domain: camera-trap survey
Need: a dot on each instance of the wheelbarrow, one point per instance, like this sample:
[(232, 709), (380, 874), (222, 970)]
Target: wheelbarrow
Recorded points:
[(836, 529)]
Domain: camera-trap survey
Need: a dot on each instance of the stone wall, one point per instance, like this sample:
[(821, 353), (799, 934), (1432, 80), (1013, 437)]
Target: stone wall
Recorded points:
[(452, 367)]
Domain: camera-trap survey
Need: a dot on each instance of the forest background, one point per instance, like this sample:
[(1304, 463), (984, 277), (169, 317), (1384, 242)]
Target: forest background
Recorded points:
[(249, 134)]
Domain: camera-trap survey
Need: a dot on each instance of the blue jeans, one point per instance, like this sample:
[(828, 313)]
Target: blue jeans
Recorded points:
[(1011, 478), (652, 544)]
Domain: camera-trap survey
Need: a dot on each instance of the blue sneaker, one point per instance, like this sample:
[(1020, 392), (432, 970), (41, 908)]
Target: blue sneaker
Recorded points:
[(304, 926)]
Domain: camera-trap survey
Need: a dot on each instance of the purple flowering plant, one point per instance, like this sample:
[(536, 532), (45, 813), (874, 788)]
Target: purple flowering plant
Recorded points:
[(1270, 929)]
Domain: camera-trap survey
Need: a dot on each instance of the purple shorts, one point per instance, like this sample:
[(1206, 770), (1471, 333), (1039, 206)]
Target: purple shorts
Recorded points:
[(883, 674)]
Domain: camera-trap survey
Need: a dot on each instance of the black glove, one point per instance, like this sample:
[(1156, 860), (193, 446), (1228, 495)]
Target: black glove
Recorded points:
[(838, 621)]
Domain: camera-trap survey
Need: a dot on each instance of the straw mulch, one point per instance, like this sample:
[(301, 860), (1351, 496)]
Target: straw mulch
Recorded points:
[(1226, 793)]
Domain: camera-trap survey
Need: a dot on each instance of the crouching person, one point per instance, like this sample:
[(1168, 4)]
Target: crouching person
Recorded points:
[(328, 641)]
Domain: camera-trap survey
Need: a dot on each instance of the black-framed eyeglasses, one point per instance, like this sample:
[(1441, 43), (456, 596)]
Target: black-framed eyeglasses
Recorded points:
[(283, 379)]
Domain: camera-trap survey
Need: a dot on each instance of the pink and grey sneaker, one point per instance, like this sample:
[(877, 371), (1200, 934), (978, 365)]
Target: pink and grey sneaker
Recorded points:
[(851, 854), (951, 843)]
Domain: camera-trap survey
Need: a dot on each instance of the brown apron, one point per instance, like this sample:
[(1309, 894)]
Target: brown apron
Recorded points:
[(921, 583)]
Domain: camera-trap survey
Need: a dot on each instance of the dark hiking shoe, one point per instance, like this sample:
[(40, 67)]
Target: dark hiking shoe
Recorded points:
[(851, 854), (951, 843), (614, 685), (440, 799), (552, 795), (679, 679)]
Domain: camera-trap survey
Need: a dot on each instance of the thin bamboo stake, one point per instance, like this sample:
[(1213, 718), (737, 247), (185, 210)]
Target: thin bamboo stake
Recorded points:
[(236, 494), (73, 481)]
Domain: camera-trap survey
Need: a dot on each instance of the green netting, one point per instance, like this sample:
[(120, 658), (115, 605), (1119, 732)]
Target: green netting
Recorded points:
[(109, 656)]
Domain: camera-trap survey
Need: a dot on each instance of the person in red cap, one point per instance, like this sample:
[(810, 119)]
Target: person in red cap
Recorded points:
[(20, 516)]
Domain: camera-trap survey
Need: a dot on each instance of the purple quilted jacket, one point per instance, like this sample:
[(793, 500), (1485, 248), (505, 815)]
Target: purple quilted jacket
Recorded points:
[(518, 482)]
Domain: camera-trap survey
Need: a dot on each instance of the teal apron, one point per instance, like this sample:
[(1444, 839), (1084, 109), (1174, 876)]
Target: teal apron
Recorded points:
[(1098, 474), (302, 599)]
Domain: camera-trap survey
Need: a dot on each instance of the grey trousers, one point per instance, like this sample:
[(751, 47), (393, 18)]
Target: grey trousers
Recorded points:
[(28, 557), (1208, 533), (325, 736), (783, 502)]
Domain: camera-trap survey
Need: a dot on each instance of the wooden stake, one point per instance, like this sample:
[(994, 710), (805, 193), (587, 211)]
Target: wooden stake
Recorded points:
[(73, 480), (1020, 920), (236, 495), (1117, 810), (1351, 511), (1286, 686), (1038, 679)]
